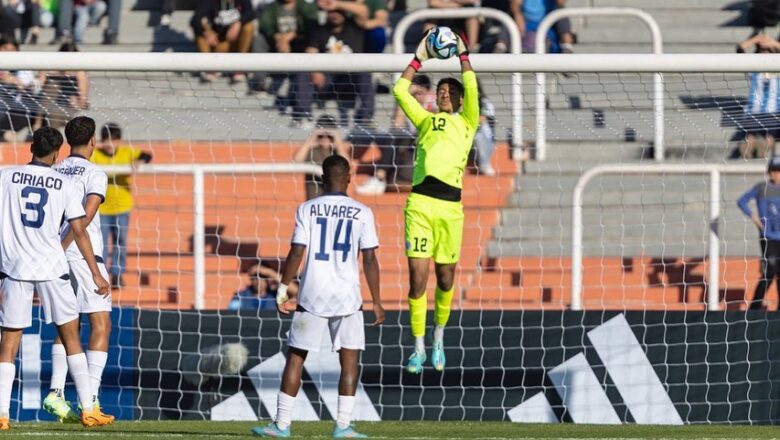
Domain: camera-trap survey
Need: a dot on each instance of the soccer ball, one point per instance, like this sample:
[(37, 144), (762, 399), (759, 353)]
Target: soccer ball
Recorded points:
[(442, 43)]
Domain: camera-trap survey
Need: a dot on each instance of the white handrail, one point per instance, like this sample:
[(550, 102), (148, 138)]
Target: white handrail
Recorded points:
[(515, 47), (389, 63), (714, 171), (198, 172), (541, 79)]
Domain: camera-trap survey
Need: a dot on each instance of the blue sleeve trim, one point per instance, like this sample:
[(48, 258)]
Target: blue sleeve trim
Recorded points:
[(102, 197)]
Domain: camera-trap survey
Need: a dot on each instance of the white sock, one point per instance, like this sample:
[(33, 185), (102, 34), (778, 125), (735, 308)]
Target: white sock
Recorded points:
[(419, 344), (59, 367), (438, 334), (346, 403), (79, 371), (7, 375), (284, 407), (97, 362)]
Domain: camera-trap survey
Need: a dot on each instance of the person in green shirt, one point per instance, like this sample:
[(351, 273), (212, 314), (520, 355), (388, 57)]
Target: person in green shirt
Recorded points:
[(433, 217)]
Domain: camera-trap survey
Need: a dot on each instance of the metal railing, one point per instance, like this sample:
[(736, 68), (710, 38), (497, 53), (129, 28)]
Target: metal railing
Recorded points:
[(541, 78), (515, 48), (714, 170), (198, 171)]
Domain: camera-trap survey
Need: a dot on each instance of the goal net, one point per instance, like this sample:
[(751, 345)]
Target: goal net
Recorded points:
[(661, 274)]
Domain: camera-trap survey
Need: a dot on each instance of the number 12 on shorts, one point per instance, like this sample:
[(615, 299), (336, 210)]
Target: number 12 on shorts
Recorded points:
[(344, 246)]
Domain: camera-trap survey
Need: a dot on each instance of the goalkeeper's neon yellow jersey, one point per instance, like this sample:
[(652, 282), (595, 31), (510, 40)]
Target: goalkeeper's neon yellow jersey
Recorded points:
[(443, 139)]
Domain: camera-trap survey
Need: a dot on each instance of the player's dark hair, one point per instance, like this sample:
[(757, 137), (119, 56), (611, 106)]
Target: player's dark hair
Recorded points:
[(79, 131), (110, 131), (422, 81), (46, 140), (335, 169), (456, 89)]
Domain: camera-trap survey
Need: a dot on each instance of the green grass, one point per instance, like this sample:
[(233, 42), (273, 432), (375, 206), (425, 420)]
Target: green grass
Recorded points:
[(387, 430)]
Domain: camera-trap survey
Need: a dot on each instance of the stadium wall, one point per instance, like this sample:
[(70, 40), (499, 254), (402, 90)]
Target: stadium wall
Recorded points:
[(582, 367)]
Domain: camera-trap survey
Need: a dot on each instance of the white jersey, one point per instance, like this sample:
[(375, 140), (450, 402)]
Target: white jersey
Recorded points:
[(34, 201), (334, 228), (89, 179)]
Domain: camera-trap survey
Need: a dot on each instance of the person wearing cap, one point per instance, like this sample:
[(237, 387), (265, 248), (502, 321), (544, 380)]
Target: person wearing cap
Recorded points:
[(767, 219)]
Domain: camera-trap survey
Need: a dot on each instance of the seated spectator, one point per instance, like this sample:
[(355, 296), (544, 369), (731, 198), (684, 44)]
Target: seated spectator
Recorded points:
[(469, 25), (63, 93), (763, 14), (87, 12), (374, 26), (37, 14), (17, 102), (11, 18), (224, 26), (325, 140), (395, 165), (166, 11), (339, 35), (284, 27), (260, 293), (528, 14), (484, 138), (760, 125), (111, 34)]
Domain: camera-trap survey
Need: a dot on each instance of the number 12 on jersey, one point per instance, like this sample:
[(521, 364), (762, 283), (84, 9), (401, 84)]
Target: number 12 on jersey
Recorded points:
[(344, 246)]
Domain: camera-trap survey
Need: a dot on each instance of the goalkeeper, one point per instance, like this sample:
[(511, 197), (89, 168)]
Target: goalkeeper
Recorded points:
[(433, 217)]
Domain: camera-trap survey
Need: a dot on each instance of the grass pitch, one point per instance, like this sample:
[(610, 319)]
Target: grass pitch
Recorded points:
[(388, 430)]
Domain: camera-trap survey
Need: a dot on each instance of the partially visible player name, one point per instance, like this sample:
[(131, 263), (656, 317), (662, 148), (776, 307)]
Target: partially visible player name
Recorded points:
[(335, 211), (72, 171), (32, 180)]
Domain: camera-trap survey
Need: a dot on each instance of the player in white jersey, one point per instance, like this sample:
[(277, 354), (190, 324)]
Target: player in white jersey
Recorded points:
[(91, 183), (332, 227), (34, 200)]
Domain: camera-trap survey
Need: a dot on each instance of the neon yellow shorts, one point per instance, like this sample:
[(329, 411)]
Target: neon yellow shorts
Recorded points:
[(433, 228)]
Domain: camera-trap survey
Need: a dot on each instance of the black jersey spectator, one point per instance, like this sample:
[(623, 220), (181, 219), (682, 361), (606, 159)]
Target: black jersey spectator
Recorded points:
[(339, 35), (767, 198), (224, 26), (63, 93)]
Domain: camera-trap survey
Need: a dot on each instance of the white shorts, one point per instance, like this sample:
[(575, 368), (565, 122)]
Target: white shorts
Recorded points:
[(307, 331), (57, 300), (84, 286)]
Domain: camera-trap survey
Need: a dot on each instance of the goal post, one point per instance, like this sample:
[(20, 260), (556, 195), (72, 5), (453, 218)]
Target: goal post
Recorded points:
[(636, 344)]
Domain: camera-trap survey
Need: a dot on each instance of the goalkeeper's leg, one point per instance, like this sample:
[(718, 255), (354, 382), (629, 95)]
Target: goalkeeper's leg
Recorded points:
[(445, 277), (418, 308)]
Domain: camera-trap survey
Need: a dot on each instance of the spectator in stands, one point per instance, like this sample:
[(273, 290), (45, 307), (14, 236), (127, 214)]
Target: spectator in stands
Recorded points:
[(115, 210), (374, 26), (760, 124), (63, 93), (10, 18), (762, 14), (17, 91), (87, 12), (766, 195), (111, 34), (64, 22), (37, 14), (469, 25), (396, 147), (325, 140), (260, 293), (528, 14), (284, 27), (339, 35), (484, 138), (224, 26), (166, 11)]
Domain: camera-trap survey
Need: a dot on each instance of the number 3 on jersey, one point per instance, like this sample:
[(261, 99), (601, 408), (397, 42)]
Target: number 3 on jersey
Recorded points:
[(344, 246), (36, 200)]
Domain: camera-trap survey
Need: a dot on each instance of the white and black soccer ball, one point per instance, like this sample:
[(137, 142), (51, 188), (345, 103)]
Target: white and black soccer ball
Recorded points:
[(442, 43)]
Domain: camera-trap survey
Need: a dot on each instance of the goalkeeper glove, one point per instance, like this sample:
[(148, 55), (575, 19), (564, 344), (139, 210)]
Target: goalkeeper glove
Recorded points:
[(463, 47), (421, 54)]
